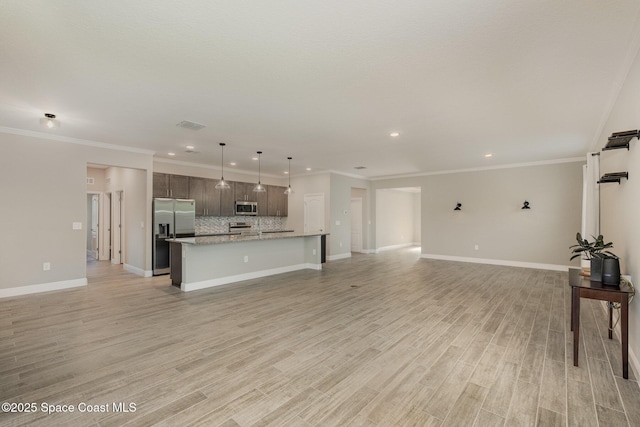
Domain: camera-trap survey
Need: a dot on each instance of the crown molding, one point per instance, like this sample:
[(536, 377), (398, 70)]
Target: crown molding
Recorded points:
[(485, 168), (76, 141)]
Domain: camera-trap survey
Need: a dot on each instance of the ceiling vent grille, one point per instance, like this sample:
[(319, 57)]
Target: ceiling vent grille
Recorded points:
[(190, 125)]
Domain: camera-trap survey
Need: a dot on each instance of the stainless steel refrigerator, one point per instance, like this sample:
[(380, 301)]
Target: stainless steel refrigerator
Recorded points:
[(171, 218)]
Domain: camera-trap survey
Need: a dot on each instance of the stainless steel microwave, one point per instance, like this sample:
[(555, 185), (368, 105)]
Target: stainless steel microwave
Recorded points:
[(246, 208)]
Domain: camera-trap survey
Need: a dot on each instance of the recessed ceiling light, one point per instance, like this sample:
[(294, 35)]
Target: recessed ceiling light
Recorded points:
[(394, 134), (286, 172), (49, 120), (171, 154), (254, 158), (308, 169), (190, 147), (233, 163), (488, 155)]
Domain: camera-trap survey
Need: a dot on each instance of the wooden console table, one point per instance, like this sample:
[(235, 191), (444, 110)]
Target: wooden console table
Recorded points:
[(583, 287)]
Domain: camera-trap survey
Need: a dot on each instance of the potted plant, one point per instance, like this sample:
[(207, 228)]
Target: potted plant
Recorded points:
[(596, 253)]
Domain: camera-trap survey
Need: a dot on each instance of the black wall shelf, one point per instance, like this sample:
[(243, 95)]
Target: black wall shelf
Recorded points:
[(619, 140), (613, 177)]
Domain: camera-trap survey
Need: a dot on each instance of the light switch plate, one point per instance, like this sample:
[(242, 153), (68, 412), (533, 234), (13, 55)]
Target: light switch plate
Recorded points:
[(77, 226)]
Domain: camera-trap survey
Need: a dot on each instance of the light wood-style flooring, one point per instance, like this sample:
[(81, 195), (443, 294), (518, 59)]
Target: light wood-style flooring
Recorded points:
[(375, 340)]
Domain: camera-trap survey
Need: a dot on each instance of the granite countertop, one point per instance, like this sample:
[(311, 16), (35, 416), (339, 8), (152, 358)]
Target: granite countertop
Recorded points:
[(233, 233), (219, 239), (236, 233)]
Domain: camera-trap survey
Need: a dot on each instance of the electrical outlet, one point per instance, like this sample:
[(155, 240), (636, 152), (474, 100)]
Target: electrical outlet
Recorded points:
[(477, 247), (46, 266), (314, 251), (246, 258), (340, 244), (76, 226), (337, 222)]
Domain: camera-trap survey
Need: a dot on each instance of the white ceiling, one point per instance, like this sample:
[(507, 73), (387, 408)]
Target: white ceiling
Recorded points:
[(324, 82)]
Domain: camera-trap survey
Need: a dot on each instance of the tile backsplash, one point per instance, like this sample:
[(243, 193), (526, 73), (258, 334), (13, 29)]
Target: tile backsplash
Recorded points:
[(220, 224)]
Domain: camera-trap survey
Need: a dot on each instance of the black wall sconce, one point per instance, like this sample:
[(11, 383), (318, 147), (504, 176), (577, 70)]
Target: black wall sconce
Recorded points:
[(458, 207), (526, 205)]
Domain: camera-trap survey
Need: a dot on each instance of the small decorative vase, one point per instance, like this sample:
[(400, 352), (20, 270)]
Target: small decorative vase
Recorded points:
[(596, 270), (611, 271)]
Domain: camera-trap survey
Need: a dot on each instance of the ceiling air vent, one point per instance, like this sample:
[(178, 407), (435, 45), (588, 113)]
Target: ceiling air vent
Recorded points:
[(360, 167), (190, 125)]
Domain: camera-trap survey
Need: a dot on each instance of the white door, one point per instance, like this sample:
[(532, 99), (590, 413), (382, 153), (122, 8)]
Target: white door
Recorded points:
[(105, 247), (356, 224), (314, 213)]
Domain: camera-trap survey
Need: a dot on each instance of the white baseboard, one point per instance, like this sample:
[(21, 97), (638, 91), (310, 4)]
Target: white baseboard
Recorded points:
[(368, 251), (392, 247), (187, 287), (136, 270), (42, 287), (633, 359), (539, 266), (339, 256)]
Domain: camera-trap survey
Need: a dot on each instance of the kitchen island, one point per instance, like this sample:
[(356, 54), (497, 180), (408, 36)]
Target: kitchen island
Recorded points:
[(204, 262)]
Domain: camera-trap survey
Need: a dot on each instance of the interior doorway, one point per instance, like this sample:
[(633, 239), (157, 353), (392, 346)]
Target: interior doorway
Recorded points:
[(356, 224), (93, 217)]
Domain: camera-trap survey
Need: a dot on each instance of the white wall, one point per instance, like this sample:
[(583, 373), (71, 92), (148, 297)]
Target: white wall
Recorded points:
[(45, 182), (98, 179), (363, 193), (396, 218), (308, 184), (417, 218), (491, 216), (620, 204)]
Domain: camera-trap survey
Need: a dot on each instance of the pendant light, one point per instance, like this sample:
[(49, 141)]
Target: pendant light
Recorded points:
[(289, 190), (259, 188), (222, 184)]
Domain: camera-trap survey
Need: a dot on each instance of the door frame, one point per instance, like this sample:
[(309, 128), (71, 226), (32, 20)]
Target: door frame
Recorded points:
[(105, 248), (118, 229), (356, 218)]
